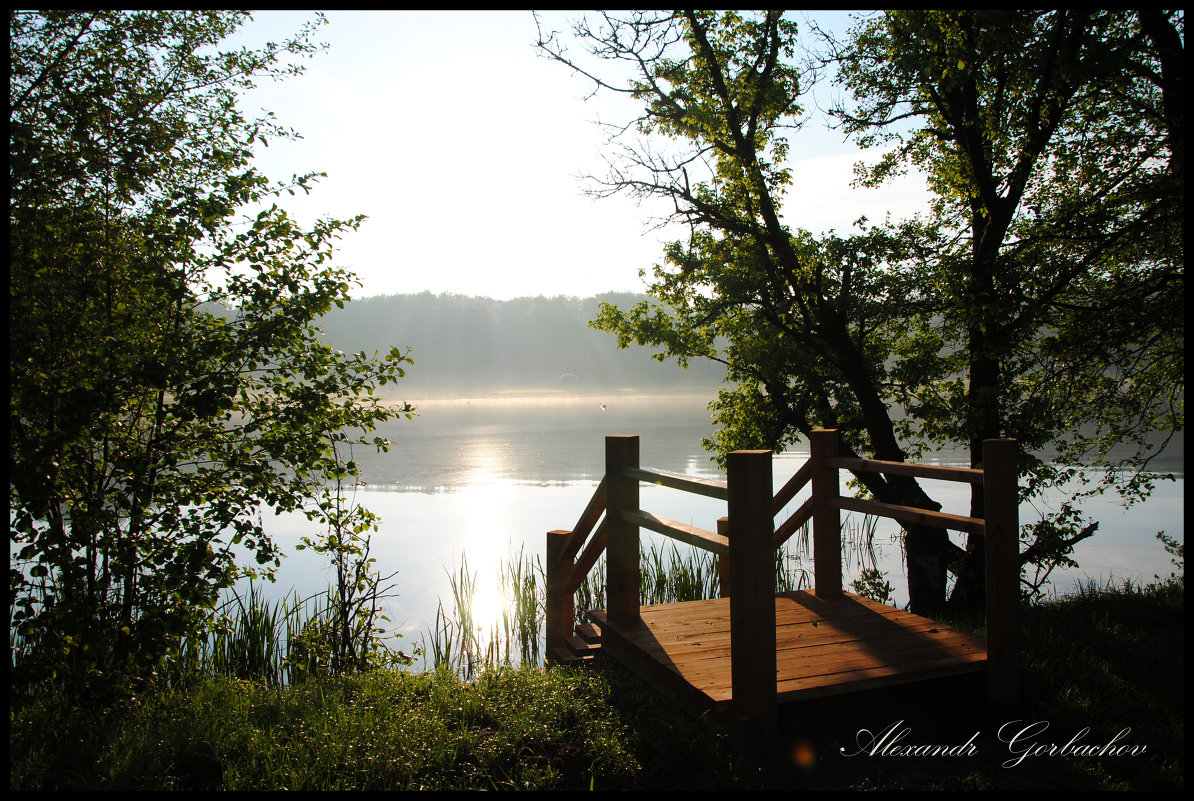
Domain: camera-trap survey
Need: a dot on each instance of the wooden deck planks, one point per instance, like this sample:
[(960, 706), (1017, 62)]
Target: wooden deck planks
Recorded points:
[(824, 647)]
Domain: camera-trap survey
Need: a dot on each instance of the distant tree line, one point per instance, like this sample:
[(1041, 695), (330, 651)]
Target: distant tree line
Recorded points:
[(475, 345)]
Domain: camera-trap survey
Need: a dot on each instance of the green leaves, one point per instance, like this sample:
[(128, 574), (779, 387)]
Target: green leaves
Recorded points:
[(160, 392), (1045, 144), (1015, 308)]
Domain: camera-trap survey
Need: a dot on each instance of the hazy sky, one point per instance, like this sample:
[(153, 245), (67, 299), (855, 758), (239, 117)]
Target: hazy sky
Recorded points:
[(465, 149)]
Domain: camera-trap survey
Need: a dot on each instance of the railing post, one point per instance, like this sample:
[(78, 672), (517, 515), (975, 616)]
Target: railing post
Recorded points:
[(723, 561), (560, 606), (752, 604), (1002, 547), (621, 539), (827, 528)]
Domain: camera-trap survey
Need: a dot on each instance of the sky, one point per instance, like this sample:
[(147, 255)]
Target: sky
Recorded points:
[(466, 150)]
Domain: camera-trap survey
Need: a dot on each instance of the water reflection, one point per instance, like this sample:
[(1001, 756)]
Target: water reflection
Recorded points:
[(540, 441), (485, 480), (488, 540)]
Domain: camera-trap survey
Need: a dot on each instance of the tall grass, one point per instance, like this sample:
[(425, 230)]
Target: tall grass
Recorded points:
[(1105, 659), (277, 643), (523, 614), (691, 577), (252, 641), (284, 642), (459, 642)]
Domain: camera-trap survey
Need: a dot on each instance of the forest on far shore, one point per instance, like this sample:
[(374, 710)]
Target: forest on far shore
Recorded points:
[(469, 346)]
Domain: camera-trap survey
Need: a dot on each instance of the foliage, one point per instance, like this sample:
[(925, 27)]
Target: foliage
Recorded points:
[(167, 381), (807, 328), (348, 635), (1040, 300), (1043, 139), (1105, 659), (1057, 263), (280, 643), (386, 730), (1177, 556), (872, 584)]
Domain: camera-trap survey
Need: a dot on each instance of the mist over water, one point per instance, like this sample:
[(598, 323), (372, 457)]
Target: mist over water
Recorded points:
[(544, 441), (486, 478)]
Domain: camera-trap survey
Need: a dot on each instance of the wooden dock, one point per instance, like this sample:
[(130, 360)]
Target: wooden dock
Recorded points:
[(742, 655), (824, 647)]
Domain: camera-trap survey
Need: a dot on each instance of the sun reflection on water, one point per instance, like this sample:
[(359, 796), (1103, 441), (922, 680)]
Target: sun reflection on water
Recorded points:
[(487, 537), (488, 604)]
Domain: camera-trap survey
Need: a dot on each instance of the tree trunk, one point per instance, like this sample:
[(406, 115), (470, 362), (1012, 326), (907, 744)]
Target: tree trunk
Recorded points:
[(927, 552), (926, 548)]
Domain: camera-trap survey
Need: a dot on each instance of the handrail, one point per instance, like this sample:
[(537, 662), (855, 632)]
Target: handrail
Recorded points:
[(910, 514), (747, 491), (794, 484), (585, 562), (697, 537), (708, 487), (577, 536), (719, 544), (798, 481), (588, 518), (785, 530), (967, 475)]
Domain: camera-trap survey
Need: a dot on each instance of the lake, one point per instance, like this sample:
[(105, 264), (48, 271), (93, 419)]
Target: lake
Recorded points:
[(488, 477)]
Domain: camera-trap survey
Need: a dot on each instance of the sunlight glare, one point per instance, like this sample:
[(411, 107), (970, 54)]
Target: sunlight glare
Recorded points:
[(486, 544)]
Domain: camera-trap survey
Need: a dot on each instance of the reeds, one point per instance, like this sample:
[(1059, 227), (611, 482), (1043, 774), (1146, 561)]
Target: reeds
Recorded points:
[(462, 643), (523, 613), (277, 643), (459, 642), (284, 642), (691, 577), (252, 641)]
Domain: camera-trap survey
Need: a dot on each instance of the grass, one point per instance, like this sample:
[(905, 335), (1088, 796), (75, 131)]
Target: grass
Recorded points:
[(457, 642), (1106, 659), (273, 642), (666, 575), (384, 730)]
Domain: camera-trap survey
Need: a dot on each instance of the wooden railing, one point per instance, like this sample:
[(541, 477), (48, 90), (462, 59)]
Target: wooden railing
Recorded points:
[(747, 538)]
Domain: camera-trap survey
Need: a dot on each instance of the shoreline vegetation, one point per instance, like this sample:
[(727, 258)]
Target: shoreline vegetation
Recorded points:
[(187, 354), (1105, 711)]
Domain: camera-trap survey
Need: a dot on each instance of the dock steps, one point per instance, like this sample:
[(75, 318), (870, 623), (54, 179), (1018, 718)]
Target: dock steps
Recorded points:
[(580, 647)]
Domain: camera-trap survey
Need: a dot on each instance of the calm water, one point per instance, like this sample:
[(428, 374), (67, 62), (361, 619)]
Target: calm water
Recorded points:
[(489, 477)]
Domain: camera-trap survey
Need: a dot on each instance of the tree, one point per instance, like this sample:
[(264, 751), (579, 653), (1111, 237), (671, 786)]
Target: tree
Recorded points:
[(166, 377), (1051, 145), (840, 332)]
